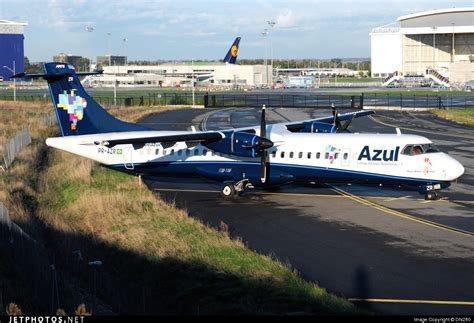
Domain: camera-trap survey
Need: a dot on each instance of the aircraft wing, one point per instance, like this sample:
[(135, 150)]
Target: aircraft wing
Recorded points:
[(297, 125), (188, 137)]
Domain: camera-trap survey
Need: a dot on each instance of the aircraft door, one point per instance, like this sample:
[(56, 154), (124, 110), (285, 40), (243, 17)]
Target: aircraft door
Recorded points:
[(345, 157), (127, 158)]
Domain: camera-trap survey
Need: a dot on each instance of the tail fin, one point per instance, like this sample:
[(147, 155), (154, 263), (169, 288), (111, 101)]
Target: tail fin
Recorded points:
[(231, 56), (77, 112)]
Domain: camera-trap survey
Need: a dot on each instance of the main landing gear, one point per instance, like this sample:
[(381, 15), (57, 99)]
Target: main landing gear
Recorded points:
[(433, 195), (232, 189)]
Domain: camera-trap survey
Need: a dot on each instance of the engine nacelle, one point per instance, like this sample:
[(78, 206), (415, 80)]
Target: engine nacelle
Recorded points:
[(240, 144), (318, 127)]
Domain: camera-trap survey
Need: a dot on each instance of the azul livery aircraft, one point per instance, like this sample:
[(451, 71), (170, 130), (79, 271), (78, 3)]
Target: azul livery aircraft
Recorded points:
[(263, 155)]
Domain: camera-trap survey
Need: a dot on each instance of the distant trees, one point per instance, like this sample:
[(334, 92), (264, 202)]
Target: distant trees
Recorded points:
[(32, 68)]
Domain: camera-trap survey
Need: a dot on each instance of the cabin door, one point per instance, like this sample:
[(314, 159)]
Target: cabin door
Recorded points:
[(127, 158)]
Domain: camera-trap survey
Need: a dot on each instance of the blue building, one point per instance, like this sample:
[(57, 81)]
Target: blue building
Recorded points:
[(11, 48)]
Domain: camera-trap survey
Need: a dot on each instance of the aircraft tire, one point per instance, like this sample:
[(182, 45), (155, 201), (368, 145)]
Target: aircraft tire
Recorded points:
[(228, 191)]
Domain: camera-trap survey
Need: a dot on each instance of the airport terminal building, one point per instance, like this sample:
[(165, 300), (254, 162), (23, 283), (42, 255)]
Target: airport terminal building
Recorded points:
[(217, 75), (438, 43), (11, 48)]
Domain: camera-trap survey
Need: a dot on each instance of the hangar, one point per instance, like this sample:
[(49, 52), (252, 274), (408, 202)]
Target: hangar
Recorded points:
[(11, 48), (436, 44)]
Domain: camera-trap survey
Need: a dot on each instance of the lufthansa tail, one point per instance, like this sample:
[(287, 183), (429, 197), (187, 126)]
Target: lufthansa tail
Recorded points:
[(231, 56), (77, 112)]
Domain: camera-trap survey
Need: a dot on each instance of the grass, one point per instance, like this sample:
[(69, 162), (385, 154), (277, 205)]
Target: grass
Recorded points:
[(464, 116), (157, 259)]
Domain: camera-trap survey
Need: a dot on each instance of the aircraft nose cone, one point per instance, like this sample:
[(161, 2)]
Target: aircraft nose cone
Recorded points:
[(456, 169)]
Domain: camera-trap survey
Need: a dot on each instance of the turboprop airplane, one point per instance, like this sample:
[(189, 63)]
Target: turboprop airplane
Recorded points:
[(264, 155)]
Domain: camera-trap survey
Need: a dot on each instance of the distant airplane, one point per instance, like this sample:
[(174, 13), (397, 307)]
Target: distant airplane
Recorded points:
[(305, 151)]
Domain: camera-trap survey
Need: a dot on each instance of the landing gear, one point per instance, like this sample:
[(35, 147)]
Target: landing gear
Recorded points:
[(433, 195), (231, 189)]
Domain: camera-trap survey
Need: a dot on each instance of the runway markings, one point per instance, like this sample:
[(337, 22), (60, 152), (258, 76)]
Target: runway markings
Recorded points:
[(410, 301), (183, 190), (416, 130), (400, 214)]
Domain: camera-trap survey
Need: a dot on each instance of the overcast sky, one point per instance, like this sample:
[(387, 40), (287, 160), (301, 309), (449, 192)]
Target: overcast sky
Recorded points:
[(184, 29)]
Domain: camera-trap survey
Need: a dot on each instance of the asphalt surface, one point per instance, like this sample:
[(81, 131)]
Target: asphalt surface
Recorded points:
[(387, 246)]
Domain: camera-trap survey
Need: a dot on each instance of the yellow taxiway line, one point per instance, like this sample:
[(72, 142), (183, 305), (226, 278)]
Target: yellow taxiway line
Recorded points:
[(400, 214), (409, 301)]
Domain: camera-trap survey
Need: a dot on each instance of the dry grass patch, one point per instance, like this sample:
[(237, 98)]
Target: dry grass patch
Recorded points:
[(464, 116)]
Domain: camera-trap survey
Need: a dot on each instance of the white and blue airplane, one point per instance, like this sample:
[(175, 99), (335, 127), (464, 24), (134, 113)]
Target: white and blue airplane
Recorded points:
[(260, 156)]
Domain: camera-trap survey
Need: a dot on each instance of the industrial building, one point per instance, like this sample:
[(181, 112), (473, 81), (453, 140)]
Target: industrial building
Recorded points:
[(436, 44), (11, 48), (111, 60), (73, 60), (218, 75)]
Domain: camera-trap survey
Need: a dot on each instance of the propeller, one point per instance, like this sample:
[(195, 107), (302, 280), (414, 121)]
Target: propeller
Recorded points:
[(339, 127), (265, 144)]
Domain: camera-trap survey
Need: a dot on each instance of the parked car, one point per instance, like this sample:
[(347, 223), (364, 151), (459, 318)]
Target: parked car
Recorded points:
[(469, 86)]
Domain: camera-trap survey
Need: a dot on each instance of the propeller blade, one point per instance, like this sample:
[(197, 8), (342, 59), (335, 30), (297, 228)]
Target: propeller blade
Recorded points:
[(263, 166), (263, 124), (336, 121)]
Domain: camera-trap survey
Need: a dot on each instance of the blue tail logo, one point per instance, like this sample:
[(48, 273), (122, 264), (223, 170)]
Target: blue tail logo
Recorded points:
[(74, 105), (231, 56)]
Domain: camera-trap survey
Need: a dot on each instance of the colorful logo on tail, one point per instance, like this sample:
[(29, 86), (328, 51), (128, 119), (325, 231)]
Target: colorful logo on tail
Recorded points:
[(74, 105)]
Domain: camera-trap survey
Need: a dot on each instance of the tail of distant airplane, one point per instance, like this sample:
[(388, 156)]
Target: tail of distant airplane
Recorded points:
[(231, 56), (77, 112)]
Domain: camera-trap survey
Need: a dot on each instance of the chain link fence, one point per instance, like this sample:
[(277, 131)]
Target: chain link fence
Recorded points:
[(12, 148)]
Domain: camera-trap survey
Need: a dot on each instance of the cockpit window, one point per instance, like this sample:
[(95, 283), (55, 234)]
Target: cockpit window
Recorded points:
[(412, 150), (430, 148)]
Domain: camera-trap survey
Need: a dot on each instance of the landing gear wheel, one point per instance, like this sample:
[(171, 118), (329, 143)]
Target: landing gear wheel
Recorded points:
[(228, 191), (432, 196)]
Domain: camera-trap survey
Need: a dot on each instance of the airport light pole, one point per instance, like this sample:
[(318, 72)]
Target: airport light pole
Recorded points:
[(125, 40), (434, 46), (14, 80), (192, 73), (271, 23), (108, 48), (452, 55), (90, 29), (264, 34)]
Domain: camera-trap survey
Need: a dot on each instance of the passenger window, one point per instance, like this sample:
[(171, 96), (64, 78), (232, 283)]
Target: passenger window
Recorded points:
[(318, 155), (274, 153), (291, 154), (188, 152), (179, 152), (164, 151), (309, 155), (282, 155), (346, 155), (172, 152), (336, 155), (204, 152), (196, 152), (300, 155), (326, 155), (157, 152)]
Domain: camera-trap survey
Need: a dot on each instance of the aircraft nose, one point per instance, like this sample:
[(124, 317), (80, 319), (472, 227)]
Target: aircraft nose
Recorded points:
[(456, 169)]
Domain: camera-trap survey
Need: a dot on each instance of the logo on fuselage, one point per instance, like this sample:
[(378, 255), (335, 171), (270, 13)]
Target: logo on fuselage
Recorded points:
[(379, 154)]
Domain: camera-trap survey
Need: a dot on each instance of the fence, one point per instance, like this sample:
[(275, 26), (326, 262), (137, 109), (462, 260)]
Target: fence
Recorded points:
[(12, 148), (282, 100), (36, 269)]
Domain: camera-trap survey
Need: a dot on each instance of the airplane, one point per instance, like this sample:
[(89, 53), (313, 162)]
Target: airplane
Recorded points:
[(314, 150)]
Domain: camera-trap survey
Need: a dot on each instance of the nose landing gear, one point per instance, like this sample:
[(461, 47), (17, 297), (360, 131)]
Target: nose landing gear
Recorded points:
[(232, 189), (433, 195)]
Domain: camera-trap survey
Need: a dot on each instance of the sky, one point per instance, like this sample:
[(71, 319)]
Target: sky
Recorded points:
[(185, 29)]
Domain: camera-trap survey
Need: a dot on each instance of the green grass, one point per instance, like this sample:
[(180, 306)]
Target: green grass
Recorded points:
[(464, 116)]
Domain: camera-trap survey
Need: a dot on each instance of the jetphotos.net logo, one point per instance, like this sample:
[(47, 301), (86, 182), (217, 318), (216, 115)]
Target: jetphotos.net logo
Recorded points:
[(46, 319)]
